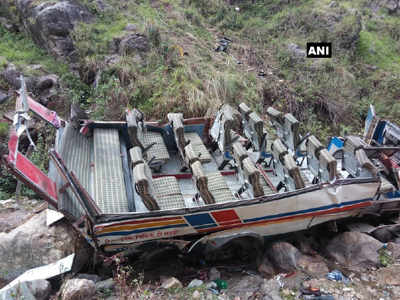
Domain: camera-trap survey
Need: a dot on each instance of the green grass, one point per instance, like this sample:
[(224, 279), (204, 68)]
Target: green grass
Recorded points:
[(380, 50), (21, 51)]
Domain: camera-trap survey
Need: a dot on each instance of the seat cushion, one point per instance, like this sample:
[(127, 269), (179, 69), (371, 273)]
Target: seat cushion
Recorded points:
[(198, 146), (168, 193), (218, 188), (158, 150)]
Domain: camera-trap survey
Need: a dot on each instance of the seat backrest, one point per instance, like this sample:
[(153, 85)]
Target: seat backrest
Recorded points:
[(190, 155), (133, 118), (136, 156), (144, 185), (328, 165), (176, 120), (355, 160), (248, 169), (285, 166), (291, 136), (201, 181), (256, 125), (239, 152), (275, 116), (252, 174), (313, 147), (244, 111), (279, 150)]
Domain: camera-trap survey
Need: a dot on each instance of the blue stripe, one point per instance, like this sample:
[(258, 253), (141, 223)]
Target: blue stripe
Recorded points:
[(206, 226), (141, 230), (305, 211)]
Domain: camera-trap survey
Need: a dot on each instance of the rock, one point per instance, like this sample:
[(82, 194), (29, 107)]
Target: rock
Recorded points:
[(195, 283), (313, 265), (296, 52), (3, 97), (93, 277), (12, 77), (214, 274), (108, 284), (50, 23), (130, 27), (78, 289), (243, 286), (383, 235), (283, 256), (389, 275), (46, 82), (265, 268), (171, 282), (133, 43), (28, 290), (11, 218), (354, 250), (33, 244)]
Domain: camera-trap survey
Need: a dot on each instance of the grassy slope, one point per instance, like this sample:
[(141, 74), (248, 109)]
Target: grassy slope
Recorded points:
[(330, 96)]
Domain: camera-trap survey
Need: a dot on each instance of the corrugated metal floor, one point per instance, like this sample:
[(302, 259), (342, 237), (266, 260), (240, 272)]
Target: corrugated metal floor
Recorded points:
[(108, 183), (76, 151)]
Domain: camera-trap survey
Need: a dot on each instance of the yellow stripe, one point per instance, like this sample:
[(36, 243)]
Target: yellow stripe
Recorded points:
[(140, 226)]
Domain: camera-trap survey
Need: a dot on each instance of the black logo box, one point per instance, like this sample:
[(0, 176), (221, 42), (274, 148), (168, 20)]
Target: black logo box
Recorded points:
[(319, 50)]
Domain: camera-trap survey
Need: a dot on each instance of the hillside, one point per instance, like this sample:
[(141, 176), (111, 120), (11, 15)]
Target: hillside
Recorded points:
[(161, 56)]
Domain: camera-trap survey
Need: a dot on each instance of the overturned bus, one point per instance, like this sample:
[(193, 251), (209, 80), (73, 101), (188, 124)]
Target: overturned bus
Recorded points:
[(125, 183)]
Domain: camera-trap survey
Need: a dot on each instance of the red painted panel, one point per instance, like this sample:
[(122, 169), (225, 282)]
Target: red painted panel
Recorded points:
[(226, 216), (35, 175), (12, 145), (46, 114)]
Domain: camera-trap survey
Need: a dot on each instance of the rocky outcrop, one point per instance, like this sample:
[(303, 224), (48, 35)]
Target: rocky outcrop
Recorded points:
[(283, 256), (354, 250), (78, 289), (3, 96), (133, 43), (33, 244), (50, 23)]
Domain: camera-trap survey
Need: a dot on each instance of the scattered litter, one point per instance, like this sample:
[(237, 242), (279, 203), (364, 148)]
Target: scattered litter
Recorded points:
[(53, 216), (278, 278), (261, 73), (321, 297), (221, 284), (223, 44), (214, 291), (290, 274), (195, 283), (211, 285), (336, 275), (237, 8)]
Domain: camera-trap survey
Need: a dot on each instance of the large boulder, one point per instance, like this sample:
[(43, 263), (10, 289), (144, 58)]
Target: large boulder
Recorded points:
[(50, 23), (78, 289), (354, 250), (34, 244), (283, 256)]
